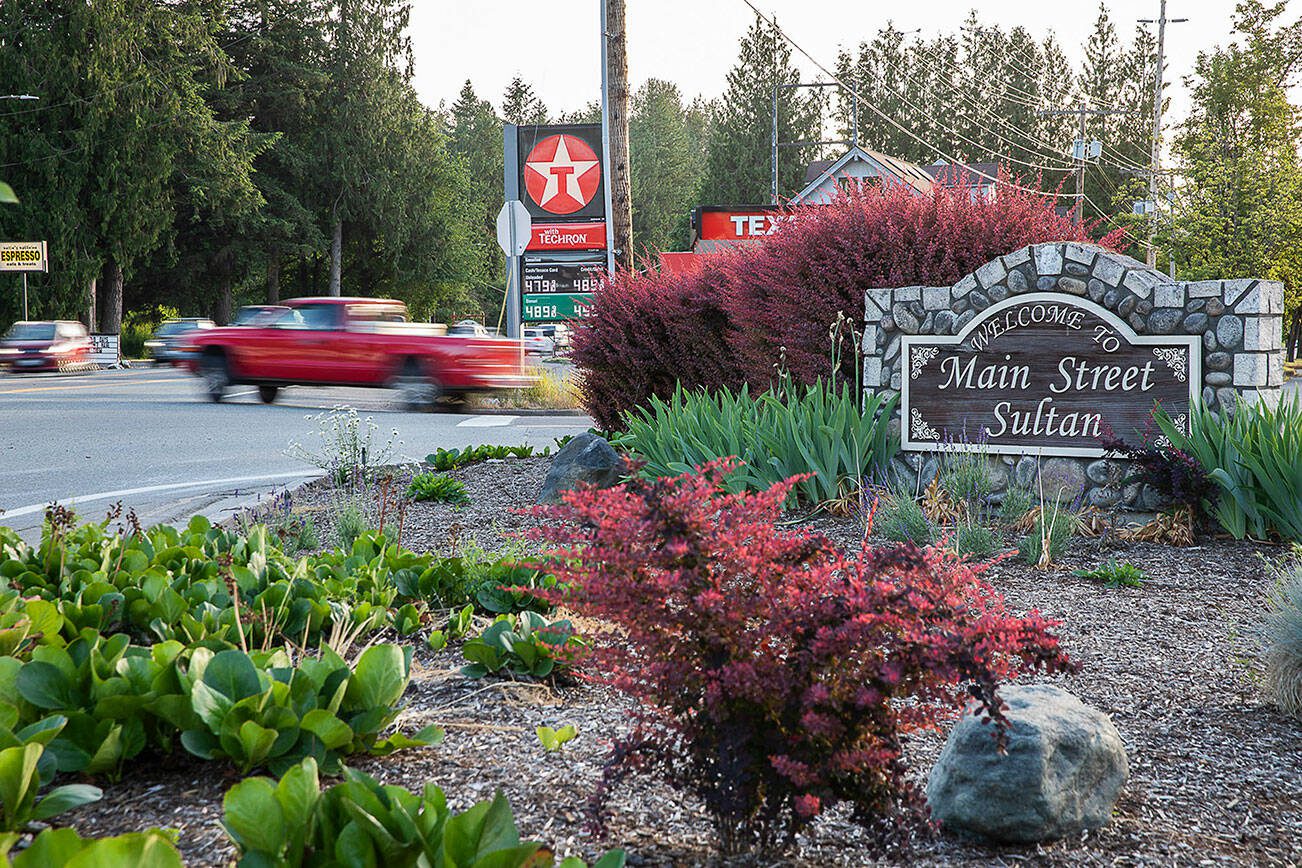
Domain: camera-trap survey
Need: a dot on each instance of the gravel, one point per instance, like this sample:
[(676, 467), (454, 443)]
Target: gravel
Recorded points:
[(1216, 773)]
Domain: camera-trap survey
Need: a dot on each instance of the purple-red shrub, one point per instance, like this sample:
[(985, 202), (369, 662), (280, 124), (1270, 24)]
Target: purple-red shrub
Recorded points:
[(825, 259), (649, 331), (777, 678), (727, 323)]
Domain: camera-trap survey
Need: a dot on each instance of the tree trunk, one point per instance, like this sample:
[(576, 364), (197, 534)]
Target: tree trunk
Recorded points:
[(222, 309), (111, 314), (621, 200), (273, 278), (336, 256), (92, 322)]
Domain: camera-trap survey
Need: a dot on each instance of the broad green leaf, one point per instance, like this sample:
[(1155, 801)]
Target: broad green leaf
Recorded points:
[(66, 798), (254, 816)]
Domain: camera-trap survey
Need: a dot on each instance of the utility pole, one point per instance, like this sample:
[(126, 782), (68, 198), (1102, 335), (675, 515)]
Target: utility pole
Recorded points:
[(1082, 151), (1156, 167), (614, 105)]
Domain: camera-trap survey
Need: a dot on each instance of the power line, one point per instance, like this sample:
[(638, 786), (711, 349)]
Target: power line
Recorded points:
[(974, 171)]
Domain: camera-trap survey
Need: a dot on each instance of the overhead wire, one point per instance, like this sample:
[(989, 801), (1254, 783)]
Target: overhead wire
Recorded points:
[(833, 77)]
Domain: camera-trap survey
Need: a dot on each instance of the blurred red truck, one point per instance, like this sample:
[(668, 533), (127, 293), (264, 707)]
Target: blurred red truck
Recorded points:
[(335, 341)]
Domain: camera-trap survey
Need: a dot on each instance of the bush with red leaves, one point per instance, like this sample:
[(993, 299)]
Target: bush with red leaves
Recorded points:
[(727, 323), (776, 678)]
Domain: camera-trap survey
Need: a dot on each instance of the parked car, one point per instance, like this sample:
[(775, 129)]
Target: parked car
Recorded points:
[(536, 340), (335, 341), (251, 313), (170, 344), (469, 327), (44, 346)]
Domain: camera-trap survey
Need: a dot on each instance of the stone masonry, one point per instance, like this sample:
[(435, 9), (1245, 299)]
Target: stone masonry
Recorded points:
[(1241, 323)]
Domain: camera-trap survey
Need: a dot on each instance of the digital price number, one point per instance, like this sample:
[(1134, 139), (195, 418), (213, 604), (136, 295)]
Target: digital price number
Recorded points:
[(562, 277)]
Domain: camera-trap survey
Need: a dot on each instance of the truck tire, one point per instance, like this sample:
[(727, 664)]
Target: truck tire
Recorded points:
[(417, 391), (216, 376), (267, 394)]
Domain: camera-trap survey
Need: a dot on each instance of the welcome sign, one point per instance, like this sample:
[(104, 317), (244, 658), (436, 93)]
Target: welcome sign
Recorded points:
[(1042, 373)]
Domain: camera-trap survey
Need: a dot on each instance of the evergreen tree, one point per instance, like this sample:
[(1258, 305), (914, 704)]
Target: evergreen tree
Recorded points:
[(1238, 212), (520, 105), (589, 114), (666, 165), (738, 168), (476, 138)]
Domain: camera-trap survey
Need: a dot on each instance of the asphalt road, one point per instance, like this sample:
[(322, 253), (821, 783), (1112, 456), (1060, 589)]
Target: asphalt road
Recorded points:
[(147, 438)]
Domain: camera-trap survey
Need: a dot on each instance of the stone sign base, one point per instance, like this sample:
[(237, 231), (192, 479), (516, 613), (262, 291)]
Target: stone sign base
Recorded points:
[(1238, 325)]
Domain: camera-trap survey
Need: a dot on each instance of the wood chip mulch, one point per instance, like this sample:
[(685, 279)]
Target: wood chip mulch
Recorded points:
[(1215, 771)]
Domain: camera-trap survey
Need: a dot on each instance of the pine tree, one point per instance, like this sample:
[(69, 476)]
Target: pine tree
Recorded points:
[(738, 169), (476, 138), (666, 164), (520, 105)]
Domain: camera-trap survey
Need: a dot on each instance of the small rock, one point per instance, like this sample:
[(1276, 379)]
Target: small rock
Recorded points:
[(1064, 768), (1096, 289), (1218, 361), (1126, 307), (1110, 299), (1194, 323), (1229, 331), (1226, 397), (1099, 472), (1218, 378), (1209, 341), (1215, 307), (1064, 481), (944, 324), (1044, 284), (1075, 269), (998, 292), (1163, 320), (905, 320), (1016, 281), (1103, 497), (585, 459), (1074, 285), (979, 299)]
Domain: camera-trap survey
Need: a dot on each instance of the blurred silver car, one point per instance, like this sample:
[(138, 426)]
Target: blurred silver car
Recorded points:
[(169, 346)]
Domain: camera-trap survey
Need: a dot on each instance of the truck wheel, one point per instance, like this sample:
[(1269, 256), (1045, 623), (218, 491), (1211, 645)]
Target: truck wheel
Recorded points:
[(216, 376), (416, 391), (267, 394)]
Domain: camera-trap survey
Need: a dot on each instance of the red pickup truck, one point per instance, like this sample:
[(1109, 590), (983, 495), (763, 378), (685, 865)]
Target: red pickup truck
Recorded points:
[(335, 341)]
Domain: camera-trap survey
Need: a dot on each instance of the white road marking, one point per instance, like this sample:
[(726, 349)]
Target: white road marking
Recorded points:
[(147, 489), (487, 421)]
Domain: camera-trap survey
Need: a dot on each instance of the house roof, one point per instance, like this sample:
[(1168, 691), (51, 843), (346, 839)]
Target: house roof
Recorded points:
[(910, 173), (965, 174)]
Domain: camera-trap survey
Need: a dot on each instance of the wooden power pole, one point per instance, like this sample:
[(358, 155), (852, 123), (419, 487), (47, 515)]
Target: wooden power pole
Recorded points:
[(616, 98)]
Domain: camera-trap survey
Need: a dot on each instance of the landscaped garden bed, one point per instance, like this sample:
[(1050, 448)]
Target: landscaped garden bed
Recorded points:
[(1214, 767)]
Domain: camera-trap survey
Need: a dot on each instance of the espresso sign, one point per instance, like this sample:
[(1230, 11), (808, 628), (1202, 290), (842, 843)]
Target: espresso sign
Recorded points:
[(1042, 373)]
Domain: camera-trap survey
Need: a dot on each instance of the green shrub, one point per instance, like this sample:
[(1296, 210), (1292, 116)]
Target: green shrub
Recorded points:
[(1255, 457), (139, 326), (965, 477), (900, 518), (1053, 529), (153, 848), (441, 489), (351, 521), (1282, 638), (974, 540), (1017, 502), (293, 822), (812, 430), (524, 645), (443, 460), (1115, 574), (21, 779)]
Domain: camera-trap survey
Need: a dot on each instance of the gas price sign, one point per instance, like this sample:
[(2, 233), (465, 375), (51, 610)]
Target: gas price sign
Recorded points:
[(552, 276)]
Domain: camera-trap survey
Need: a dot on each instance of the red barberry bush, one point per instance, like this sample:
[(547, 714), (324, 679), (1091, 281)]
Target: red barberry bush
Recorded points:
[(777, 678), (729, 322)]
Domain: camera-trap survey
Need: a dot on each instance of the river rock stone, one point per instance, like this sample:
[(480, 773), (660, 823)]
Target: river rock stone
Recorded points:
[(979, 299), (1074, 285), (1215, 307), (1100, 472), (1218, 361), (1024, 472), (1218, 378), (1194, 323), (585, 459), (1229, 331), (1017, 281), (944, 323), (1103, 497), (1126, 307), (1045, 284), (1110, 299), (1064, 481), (1064, 767), (1096, 289), (1164, 320)]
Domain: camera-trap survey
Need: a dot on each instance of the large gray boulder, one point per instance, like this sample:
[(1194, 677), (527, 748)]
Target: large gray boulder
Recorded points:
[(585, 459), (1062, 773)]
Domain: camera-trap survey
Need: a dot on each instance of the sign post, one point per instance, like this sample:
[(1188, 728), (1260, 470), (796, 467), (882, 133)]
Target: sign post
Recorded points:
[(24, 256), (514, 229)]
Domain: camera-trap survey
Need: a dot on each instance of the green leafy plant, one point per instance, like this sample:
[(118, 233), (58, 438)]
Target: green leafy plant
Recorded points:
[(20, 781), (443, 460), (814, 432), (1017, 501), (1254, 455), (553, 739), (524, 645), (293, 822), (1115, 574), (152, 848), (443, 489)]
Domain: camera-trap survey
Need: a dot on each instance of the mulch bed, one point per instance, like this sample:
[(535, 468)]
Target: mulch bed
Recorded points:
[(1215, 772)]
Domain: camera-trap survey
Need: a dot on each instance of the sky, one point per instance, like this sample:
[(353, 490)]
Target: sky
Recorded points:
[(554, 44)]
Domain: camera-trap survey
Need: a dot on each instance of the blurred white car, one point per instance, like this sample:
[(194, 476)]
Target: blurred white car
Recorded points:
[(536, 340)]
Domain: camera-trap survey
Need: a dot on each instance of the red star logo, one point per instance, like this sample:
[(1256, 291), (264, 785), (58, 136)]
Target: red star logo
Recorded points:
[(561, 174)]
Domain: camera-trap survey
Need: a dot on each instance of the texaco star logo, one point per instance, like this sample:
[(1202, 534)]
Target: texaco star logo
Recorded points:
[(561, 174)]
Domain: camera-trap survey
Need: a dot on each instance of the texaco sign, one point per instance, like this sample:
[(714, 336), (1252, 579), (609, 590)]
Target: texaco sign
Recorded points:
[(560, 172)]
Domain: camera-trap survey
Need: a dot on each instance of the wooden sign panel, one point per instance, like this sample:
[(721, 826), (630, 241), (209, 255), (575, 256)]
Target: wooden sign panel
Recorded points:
[(1042, 373)]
